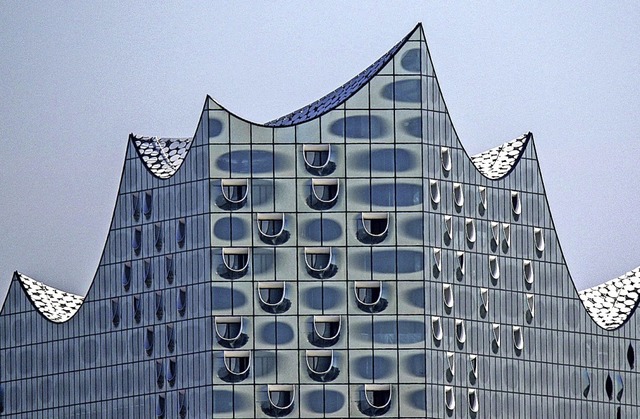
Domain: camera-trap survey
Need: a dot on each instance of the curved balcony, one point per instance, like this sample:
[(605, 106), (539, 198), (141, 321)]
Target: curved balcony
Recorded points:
[(377, 399), (236, 261), (324, 193), (271, 228), (374, 227), (317, 159), (320, 365), (369, 296), (234, 193), (319, 262), (273, 298), (236, 365), (326, 330), (230, 331)]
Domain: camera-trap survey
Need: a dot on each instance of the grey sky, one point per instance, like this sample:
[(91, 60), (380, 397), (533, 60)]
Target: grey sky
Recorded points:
[(77, 77)]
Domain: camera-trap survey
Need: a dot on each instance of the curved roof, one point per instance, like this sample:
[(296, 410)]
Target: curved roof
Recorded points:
[(162, 156), (342, 93), (55, 305), (497, 162), (612, 303)]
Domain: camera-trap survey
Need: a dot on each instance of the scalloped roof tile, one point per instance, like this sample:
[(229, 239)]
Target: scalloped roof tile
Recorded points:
[(611, 304), (162, 156), (498, 161), (54, 304)]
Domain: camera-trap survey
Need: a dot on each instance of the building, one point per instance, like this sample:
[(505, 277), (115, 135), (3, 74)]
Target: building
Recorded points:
[(346, 260)]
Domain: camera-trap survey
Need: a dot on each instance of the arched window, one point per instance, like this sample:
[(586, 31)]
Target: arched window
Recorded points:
[(375, 226), (447, 293), (158, 236), (281, 397), (449, 398), (326, 330), (483, 197), (516, 205), (538, 235), (148, 272), (229, 331), (137, 308), (159, 305), (494, 267), (324, 193), (160, 406), (169, 268), (272, 296), (234, 192), (528, 271), (461, 332), (377, 398), (436, 328), (470, 230), (181, 303), (319, 261), (171, 338), (317, 158), (458, 195), (518, 338), (448, 225), (135, 206), (320, 365), (237, 364), (369, 296), (136, 240), (236, 260), (272, 228), (473, 401)]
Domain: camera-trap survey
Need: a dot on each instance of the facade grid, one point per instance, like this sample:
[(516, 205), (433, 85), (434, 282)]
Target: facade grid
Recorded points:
[(349, 259)]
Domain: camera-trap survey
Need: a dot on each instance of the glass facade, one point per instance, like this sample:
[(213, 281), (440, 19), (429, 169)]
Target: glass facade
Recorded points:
[(347, 260)]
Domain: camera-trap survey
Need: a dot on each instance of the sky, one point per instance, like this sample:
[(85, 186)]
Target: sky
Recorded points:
[(77, 77)]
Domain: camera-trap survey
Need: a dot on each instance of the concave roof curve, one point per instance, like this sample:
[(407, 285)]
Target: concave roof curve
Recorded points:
[(342, 93)]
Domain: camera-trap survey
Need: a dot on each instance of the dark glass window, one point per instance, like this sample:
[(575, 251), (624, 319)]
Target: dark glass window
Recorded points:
[(148, 340), (182, 301), (115, 312), (126, 276), (157, 236), (147, 205), (159, 305), (137, 308), (181, 232)]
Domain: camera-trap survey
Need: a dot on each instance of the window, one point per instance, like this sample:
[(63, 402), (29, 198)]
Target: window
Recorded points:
[(318, 261), (137, 308), (494, 267), (234, 193), (448, 225), (148, 273), (181, 303), (230, 331), (482, 191), (495, 233), (470, 230), (516, 205), (157, 236), (445, 158), (538, 235), (115, 312), (473, 365), (147, 204), (528, 271), (236, 261), (181, 232), (619, 387), (159, 374), (320, 365), (171, 338), (281, 397), (369, 296), (460, 256), (437, 259), (272, 296), (324, 193), (317, 158), (608, 387), (237, 364), (434, 191), (631, 357), (148, 340), (449, 398), (484, 296), (586, 383), (271, 228), (473, 401), (458, 195), (506, 232), (377, 397), (182, 404), (169, 268), (518, 338), (326, 330), (126, 276), (531, 308), (375, 226), (159, 305), (135, 206), (496, 334), (451, 363), (136, 240), (461, 333), (436, 328), (447, 292), (160, 406)]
